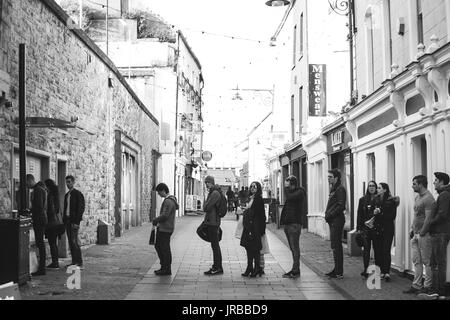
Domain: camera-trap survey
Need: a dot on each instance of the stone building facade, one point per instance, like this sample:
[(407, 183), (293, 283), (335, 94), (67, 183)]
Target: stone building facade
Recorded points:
[(67, 75)]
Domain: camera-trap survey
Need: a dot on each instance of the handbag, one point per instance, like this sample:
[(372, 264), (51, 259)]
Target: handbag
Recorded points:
[(152, 236), (239, 227), (265, 245), (202, 232)]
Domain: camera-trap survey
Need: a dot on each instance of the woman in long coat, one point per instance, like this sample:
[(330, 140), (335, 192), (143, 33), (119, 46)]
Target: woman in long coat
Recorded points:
[(254, 223)]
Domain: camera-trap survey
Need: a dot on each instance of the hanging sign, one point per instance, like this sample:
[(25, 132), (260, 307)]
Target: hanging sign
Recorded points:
[(317, 90)]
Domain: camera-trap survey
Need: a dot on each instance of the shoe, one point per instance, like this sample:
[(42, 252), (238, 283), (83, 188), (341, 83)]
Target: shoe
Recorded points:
[(38, 273), (382, 276), (364, 274), (330, 274), (53, 266), (163, 272), (411, 290), (247, 272), (428, 296), (387, 277), (80, 265), (337, 276), (255, 273), (287, 275), (261, 272), (425, 291), (213, 272), (295, 275), (157, 271), (443, 298)]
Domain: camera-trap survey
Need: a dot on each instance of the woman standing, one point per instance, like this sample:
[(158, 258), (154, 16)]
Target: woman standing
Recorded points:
[(254, 228), (368, 225), (55, 224), (387, 212)]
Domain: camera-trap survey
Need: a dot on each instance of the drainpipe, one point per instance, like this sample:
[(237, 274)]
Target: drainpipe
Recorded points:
[(22, 132), (177, 57)]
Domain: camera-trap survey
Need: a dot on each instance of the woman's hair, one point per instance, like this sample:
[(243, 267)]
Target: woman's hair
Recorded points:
[(292, 180), (52, 187), (385, 186), (376, 188), (258, 192)]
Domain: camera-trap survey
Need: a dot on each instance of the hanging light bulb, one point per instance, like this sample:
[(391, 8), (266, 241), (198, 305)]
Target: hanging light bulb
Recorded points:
[(277, 3)]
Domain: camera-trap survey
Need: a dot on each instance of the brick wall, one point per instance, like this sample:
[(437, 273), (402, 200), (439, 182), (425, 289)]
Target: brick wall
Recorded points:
[(67, 76)]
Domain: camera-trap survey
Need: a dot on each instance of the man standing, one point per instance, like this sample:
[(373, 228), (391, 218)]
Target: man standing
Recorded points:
[(440, 236), (420, 237), (291, 219), (212, 221), (39, 216), (335, 217), (73, 214), (166, 226)]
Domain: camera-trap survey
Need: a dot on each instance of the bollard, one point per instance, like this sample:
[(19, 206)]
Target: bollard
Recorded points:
[(103, 233)]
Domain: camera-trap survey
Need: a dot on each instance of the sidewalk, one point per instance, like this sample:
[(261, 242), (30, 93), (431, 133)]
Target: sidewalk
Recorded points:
[(316, 253)]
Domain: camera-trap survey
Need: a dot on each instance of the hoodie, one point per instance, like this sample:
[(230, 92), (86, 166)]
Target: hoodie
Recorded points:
[(210, 207), (440, 218), (166, 219), (39, 204)]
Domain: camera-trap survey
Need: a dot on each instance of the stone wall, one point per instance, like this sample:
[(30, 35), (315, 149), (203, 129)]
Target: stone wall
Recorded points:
[(67, 75)]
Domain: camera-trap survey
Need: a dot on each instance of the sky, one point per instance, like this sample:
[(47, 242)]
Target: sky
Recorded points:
[(228, 63)]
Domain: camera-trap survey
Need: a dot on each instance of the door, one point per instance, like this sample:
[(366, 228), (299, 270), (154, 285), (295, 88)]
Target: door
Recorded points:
[(129, 190)]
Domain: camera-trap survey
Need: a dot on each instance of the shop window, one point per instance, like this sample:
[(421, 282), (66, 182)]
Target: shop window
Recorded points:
[(414, 104), (371, 170)]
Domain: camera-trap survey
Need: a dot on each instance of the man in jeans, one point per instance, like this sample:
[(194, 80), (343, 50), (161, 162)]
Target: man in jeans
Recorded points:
[(440, 236), (420, 237), (73, 214), (212, 220), (335, 217), (291, 219), (39, 216)]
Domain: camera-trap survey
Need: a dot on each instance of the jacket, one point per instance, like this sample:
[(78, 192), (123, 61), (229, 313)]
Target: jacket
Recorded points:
[(39, 205), (76, 209), (336, 203), (166, 219), (294, 207), (366, 207), (386, 219), (254, 222), (210, 207), (440, 218)]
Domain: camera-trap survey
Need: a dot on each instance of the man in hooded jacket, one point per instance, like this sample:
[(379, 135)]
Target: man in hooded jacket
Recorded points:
[(165, 226)]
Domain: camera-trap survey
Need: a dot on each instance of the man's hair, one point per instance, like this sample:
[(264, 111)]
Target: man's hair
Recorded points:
[(162, 187), (421, 180), (292, 180), (336, 173), (70, 178), (441, 176), (30, 177)]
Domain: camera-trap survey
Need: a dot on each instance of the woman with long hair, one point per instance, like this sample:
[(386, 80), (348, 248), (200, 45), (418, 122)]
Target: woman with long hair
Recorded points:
[(386, 210), (368, 225), (254, 228), (54, 221)]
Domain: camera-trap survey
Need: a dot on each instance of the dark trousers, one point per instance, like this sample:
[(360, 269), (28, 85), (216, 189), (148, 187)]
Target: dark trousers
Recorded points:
[(39, 239), (213, 236), (74, 243), (162, 246), (439, 243), (336, 228), (52, 241), (293, 232), (386, 245), (371, 238), (253, 259)]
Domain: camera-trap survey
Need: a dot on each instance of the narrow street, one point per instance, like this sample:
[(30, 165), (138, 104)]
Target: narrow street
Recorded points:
[(125, 270)]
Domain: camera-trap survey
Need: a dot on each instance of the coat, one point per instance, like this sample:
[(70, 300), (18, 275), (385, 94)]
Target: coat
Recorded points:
[(254, 222), (210, 207), (336, 203), (76, 209), (166, 219), (39, 205), (294, 208)]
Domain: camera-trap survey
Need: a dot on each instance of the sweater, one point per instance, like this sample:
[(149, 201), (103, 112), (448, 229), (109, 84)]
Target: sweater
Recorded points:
[(166, 219)]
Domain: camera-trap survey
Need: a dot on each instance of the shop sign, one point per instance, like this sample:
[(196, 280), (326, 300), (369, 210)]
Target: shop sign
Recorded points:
[(317, 90), (337, 138)]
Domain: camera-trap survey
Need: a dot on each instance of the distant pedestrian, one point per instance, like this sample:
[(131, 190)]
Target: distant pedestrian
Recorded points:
[(236, 202), (55, 227), (335, 217), (165, 226), (386, 212), (254, 228), (212, 220), (440, 236), (366, 224), (74, 206), (291, 218), (230, 199), (40, 220)]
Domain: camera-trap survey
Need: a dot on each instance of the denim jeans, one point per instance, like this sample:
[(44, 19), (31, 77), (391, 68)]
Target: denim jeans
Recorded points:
[(39, 239), (293, 232), (336, 228), (53, 243), (439, 244), (213, 235), (370, 238), (74, 243), (386, 245), (162, 247), (421, 248)]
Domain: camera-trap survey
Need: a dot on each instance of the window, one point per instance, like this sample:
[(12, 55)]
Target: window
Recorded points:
[(371, 173), (420, 36), (300, 108), (293, 118), (420, 163), (295, 46), (370, 51), (301, 36)]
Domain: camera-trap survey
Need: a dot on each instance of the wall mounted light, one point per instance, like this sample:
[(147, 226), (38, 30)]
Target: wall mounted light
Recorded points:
[(277, 3)]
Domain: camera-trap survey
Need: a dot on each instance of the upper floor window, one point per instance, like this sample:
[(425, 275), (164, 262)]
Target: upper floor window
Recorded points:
[(420, 35), (295, 46), (301, 36)]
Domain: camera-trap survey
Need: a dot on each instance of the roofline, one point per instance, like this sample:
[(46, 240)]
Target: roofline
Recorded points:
[(190, 50)]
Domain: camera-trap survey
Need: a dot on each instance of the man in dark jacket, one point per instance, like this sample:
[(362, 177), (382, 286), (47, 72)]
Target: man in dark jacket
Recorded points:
[(335, 217), (166, 226), (73, 214), (39, 216), (212, 220), (291, 219), (439, 227)]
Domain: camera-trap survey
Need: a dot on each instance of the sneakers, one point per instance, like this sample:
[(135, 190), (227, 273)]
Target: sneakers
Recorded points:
[(364, 274), (387, 277), (213, 272), (336, 276), (53, 266), (163, 272), (428, 296), (38, 273), (329, 274), (411, 290), (292, 275)]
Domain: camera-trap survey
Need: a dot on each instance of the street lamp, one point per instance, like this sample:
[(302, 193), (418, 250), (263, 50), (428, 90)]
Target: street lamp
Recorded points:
[(277, 3)]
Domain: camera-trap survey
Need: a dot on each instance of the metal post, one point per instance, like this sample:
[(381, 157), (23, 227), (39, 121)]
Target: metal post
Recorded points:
[(177, 61), (22, 133), (350, 38)]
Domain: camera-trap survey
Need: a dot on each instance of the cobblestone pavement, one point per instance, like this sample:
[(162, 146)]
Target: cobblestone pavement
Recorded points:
[(316, 253)]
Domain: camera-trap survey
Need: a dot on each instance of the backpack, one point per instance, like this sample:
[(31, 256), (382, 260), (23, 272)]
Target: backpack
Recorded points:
[(222, 205)]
